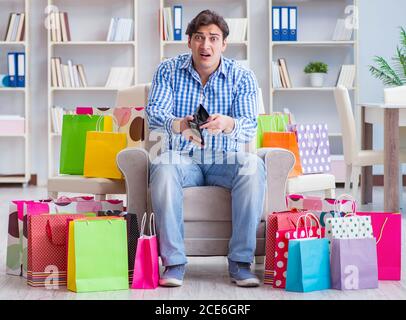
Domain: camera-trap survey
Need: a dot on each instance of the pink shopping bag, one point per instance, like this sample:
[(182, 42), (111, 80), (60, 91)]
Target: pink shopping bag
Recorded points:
[(146, 265), (386, 227)]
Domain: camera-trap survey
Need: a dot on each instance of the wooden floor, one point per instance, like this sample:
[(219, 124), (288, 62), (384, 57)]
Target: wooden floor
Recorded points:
[(206, 277)]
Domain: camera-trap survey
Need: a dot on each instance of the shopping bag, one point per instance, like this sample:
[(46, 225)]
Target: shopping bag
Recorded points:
[(73, 143), (387, 229), (132, 235), (277, 122), (308, 265), (97, 254), (314, 147), (146, 265), (130, 120), (276, 221), (46, 265), (284, 140), (282, 240), (101, 153), (354, 264)]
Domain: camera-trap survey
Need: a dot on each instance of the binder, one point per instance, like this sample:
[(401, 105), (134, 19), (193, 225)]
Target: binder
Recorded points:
[(284, 23), (276, 24), (292, 23), (12, 64), (177, 22), (20, 56)]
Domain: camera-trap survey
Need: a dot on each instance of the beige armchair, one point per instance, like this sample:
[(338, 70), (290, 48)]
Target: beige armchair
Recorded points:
[(207, 228)]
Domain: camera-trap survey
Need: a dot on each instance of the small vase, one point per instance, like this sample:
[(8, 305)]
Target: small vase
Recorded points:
[(317, 79)]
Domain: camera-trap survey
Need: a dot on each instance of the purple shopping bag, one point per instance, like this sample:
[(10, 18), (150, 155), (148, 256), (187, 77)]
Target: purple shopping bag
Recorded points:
[(314, 147), (146, 265), (354, 264)]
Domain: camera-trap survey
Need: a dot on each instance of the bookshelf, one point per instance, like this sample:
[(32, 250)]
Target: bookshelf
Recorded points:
[(316, 22), (229, 9), (88, 46), (15, 167)]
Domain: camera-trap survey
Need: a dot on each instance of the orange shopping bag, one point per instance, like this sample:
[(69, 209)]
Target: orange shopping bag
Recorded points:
[(284, 140)]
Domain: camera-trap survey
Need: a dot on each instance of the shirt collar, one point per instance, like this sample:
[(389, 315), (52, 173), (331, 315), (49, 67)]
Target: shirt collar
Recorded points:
[(187, 64)]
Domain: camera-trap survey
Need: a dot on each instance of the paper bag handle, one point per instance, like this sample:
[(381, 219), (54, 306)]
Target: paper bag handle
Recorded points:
[(337, 202), (48, 230), (381, 231)]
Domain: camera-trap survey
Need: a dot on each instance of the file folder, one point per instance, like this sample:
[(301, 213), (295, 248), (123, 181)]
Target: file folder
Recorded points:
[(11, 63), (276, 23), (284, 23), (292, 23), (177, 23), (20, 69)]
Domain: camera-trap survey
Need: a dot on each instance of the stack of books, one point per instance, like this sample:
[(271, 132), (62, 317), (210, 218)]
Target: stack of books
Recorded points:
[(59, 27), (280, 74), (57, 118), (120, 29), (238, 29), (346, 76), (15, 27), (168, 34), (67, 75), (120, 77), (341, 32)]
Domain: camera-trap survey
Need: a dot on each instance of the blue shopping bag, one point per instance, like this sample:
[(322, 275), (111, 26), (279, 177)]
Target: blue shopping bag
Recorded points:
[(308, 265)]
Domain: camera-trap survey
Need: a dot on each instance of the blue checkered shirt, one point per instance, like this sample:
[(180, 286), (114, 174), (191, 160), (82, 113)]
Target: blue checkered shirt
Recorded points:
[(177, 91)]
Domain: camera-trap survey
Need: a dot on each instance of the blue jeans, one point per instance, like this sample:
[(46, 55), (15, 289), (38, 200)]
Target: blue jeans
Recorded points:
[(242, 173)]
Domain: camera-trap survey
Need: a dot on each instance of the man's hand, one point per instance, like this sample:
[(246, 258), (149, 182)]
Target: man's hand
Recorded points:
[(218, 123), (182, 126)]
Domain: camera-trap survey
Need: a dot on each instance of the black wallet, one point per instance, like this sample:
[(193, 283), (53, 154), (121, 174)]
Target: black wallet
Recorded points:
[(199, 118)]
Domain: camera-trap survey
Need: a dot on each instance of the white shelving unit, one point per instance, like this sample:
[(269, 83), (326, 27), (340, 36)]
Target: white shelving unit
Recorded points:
[(238, 50), (89, 24), (15, 167), (316, 21)]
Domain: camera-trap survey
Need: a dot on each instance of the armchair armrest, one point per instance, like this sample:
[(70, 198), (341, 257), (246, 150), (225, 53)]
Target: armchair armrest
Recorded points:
[(278, 163), (134, 164)]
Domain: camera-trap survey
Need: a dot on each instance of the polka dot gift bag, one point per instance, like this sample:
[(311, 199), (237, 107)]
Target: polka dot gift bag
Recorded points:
[(282, 242)]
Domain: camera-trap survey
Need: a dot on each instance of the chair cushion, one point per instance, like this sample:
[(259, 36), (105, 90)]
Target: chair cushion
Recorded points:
[(311, 182), (80, 184)]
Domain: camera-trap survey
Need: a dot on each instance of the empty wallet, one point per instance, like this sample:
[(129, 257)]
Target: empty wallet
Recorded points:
[(200, 117)]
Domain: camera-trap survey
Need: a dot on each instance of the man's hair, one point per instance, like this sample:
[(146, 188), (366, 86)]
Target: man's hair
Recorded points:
[(205, 18)]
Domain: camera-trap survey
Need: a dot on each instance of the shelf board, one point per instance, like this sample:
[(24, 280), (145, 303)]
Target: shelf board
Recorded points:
[(53, 134), (13, 135), (17, 89), (184, 42), (307, 89), (313, 43), (93, 43), (86, 89), (12, 179), (9, 43)]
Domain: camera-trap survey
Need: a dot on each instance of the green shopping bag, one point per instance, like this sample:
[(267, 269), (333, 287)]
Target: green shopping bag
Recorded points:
[(74, 129), (276, 122), (97, 254)]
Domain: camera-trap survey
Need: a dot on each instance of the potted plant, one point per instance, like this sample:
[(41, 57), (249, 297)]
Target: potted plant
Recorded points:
[(396, 75), (317, 71)]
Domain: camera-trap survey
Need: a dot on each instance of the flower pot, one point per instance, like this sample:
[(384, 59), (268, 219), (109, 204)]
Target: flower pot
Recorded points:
[(317, 79)]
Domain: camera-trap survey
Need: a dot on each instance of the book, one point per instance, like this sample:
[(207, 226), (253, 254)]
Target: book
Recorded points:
[(9, 26), (66, 21), (82, 76), (285, 72), (15, 27), (346, 76), (120, 29), (54, 80), (59, 74), (20, 28), (120, 77), (237, 28)]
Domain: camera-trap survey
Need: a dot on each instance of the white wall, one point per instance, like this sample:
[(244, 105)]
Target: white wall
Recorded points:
[(379, 21)]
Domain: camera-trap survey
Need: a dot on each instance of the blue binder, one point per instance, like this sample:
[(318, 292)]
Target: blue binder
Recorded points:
[(285, 23), (20, 61), (12, 69), (177, 22), (292, 23), (276, 24)]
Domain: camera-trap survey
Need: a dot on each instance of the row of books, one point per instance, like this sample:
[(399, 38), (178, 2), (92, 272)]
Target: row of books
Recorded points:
[(120, 77), (280, 74), (59, 27), (67, 75), (120, 29), (346, 76), (238, 29), (57, 118), (341, 32), (15, 27), (167, 27), (16, 70), (284, 23)]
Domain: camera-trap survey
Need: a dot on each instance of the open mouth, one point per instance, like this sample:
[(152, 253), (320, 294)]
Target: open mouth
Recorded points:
[(205, 55)]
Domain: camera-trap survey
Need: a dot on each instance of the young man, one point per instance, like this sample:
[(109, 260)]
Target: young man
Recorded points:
[(229, 94)]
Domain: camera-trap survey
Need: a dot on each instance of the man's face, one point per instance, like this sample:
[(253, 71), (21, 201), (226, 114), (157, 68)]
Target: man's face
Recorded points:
[(207, 45)]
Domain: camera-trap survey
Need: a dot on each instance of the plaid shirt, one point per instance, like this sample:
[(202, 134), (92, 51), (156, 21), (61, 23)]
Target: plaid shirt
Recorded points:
[(177, 91)]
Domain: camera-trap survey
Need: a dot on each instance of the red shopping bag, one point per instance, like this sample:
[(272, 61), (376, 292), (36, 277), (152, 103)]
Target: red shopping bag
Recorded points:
[(146, 265), (274, 222)]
